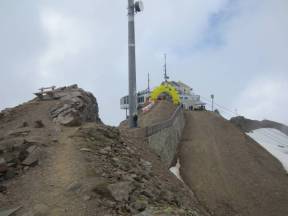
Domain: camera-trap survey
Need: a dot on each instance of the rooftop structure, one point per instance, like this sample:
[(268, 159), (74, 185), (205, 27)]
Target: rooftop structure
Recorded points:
[(186, 94)]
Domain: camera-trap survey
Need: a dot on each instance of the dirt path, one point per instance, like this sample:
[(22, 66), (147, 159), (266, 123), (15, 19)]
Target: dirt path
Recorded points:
[(46, 188), (229, 172)]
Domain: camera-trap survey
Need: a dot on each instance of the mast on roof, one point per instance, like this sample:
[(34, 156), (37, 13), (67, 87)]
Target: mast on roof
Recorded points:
[(148, 82), (166, 77)]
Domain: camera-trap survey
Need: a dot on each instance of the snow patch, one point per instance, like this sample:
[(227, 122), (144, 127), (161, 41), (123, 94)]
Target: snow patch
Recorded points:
[(273, 141), (176, 170)]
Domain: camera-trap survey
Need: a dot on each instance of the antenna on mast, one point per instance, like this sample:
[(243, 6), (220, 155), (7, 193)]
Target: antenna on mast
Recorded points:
[(166, 77), (148, 82)]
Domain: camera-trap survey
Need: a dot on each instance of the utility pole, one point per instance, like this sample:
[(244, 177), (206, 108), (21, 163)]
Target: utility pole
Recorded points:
[(212, 98), (166, 77), (132, 8)]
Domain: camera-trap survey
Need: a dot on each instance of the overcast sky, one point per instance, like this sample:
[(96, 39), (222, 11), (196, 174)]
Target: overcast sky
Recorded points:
[(235, 49)]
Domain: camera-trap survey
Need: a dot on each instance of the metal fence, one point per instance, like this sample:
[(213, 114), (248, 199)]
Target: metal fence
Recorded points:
[(165, 124)]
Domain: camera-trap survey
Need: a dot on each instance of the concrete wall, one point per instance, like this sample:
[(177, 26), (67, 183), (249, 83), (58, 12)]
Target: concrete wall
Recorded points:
[(165, 142)]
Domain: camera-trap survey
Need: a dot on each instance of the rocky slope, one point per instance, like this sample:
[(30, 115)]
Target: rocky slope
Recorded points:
[(57, 158), (229, 172)]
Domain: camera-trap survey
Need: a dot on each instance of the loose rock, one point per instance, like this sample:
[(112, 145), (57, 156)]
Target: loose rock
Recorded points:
[(38, 124), (33, 158), (3, 189), (120, 191), (3, 165)]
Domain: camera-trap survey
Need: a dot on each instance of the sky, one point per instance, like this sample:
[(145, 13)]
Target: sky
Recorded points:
[(234, 49)]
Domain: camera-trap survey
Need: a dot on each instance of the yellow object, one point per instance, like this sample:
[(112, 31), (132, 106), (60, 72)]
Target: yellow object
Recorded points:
[(168, 89)]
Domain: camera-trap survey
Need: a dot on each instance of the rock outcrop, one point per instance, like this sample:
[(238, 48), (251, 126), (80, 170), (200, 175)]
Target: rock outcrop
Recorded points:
[(74, 107), (26, 129)]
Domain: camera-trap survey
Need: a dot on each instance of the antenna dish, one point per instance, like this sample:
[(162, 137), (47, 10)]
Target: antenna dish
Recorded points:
[(139, 6)]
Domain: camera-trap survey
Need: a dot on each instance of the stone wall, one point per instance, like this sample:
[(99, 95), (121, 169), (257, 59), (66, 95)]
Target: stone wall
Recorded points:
[(165, 141)]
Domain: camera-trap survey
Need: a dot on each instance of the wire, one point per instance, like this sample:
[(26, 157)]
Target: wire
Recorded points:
[(220, 106), (270, 134), (269, 137)]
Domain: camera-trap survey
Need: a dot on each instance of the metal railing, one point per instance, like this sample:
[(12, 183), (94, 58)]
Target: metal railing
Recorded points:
[(165, 124)]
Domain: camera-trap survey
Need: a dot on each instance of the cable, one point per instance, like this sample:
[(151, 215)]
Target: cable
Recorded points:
[(269, 137), (228, 114), (270, 134), (221, 106), (276, 137)]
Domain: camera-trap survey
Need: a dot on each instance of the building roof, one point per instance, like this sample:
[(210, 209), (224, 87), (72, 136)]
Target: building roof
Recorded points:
[(183, 85)]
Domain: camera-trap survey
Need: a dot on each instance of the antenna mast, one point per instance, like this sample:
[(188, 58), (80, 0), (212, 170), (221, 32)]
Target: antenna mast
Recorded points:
[(166, 77), (148, 82)]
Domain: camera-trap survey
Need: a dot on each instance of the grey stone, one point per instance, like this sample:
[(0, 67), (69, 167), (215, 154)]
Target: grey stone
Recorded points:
[(108, 203), (105, 150), (12, 164), (120, 191), (87, 198), (19, 132), (2, 149), (147, 212), (3, 189), (11, 173), (38, 124), (140, 205), (74, 187), (3, 165), (31, 149), (86, 150), (12, 144), (33, 158), (9, 157), (101, 188), (24, 124), (70, 120)]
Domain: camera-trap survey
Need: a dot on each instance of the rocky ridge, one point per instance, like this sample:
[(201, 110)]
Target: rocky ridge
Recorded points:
[(248, 125), (26, 129), (58, 154)]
